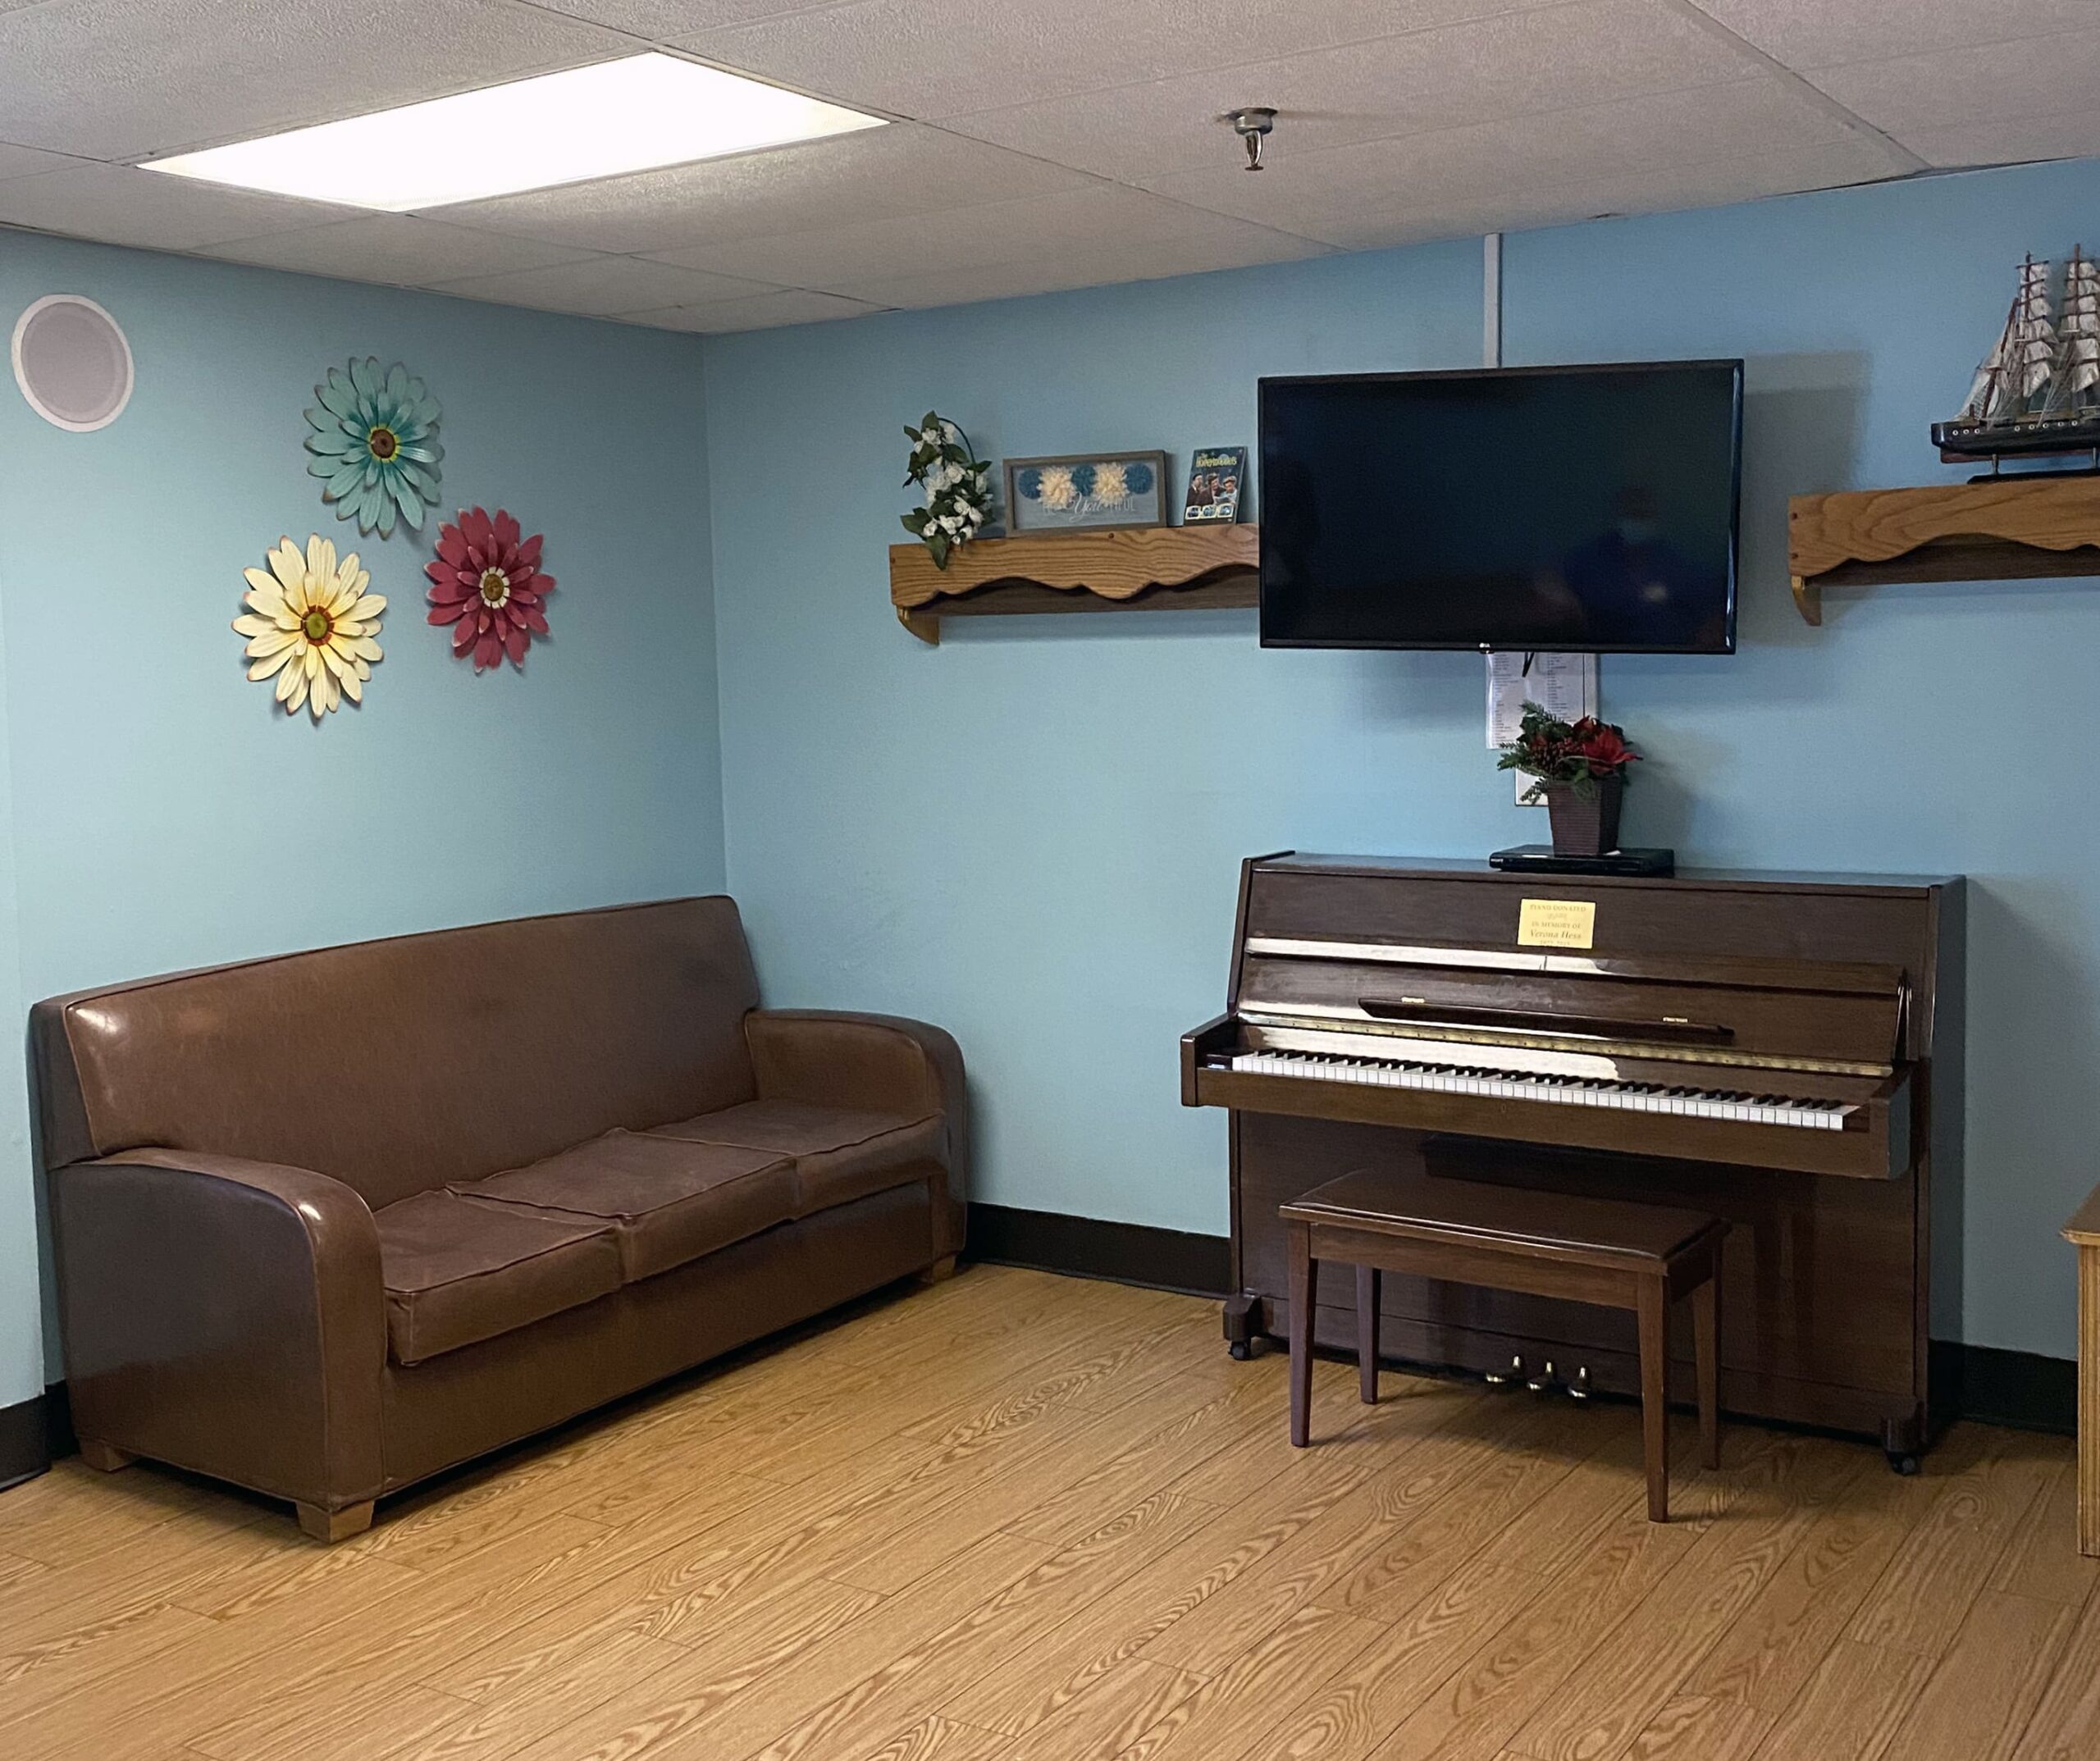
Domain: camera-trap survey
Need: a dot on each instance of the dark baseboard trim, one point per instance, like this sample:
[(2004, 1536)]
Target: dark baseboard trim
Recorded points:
[(2022, 1390), (58, 1422), (32, 1433), (1131, 1253)]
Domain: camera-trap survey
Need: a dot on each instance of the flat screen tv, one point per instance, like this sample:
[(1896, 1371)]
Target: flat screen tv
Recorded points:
[(1576, 509)]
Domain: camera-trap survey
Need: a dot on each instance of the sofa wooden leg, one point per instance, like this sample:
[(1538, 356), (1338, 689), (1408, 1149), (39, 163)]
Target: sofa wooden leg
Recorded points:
[(940, 1272), (329, 1526), (105, 1458)]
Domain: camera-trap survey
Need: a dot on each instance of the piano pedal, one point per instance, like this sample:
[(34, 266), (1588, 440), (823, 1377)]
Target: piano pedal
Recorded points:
[(1579, 1389), (1506, 1378), (1546, 1382)]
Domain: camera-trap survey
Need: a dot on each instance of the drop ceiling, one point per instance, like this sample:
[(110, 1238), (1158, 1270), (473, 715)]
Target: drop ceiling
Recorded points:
[(1034, 146)]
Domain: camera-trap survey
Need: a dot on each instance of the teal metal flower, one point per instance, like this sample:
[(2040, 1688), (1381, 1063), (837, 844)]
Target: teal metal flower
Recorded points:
[(375, 445)]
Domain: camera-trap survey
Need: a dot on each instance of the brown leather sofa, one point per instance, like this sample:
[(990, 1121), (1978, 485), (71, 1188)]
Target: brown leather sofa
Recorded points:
[(327, 1224)]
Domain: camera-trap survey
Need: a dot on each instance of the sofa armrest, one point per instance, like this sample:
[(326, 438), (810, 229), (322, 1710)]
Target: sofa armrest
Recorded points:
[(225, 1314), (884, 1064)]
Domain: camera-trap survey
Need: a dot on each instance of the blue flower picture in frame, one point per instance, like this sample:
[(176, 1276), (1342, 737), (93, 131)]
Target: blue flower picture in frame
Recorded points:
[(1086, 491)]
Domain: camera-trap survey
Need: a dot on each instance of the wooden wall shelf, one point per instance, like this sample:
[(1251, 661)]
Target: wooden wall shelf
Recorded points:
[(2003, 529), (1123, 569)]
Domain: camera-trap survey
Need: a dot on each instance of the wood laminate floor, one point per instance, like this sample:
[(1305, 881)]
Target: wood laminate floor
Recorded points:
[(1031, 1519)]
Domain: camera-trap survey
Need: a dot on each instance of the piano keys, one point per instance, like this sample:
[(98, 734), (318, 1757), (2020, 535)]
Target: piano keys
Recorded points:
[(1462, 1075), (1761, 1047)]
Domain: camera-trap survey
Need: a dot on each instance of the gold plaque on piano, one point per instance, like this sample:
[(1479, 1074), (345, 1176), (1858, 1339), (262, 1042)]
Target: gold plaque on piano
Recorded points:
[(1556, 923)]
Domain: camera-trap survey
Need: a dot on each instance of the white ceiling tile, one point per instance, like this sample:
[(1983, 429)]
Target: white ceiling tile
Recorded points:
[(600, 286), (1134, 262), (902, 169), (26, 162), (1103, 216), (1713, 182), (2063, 135), (1513, 63), (129, 79), (1856, 159), (1352, 192), (758, 312), (1402, 119), (928, 61), (1817, 32), (2029, 76), (398, 248), (1512, 210), (1762, 115), (121, 206), (660, 21), (1349, 194)]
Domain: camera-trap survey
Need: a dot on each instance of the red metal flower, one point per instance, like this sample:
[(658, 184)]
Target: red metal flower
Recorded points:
[(487, 584), (1602, 747)]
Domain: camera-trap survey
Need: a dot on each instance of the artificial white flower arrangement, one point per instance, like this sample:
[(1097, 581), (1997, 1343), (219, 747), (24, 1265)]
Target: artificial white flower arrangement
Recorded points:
[(957, 485)]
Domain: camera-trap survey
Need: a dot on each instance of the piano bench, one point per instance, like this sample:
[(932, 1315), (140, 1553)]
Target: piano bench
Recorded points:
[(1606, 1251)]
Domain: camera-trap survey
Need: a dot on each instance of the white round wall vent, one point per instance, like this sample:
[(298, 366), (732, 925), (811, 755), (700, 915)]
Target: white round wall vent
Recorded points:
[(72, 362)]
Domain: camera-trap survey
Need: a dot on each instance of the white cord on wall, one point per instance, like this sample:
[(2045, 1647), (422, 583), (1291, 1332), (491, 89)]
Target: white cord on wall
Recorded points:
[(1491, 300)]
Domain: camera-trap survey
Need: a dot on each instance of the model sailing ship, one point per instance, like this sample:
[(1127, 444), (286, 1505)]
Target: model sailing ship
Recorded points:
[(2038, 391)]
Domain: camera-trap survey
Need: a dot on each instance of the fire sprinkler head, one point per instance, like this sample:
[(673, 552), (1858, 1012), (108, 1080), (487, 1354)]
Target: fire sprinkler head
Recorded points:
[(1252, 123)]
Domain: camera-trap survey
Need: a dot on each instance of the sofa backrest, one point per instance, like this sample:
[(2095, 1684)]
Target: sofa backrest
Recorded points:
[(397, 1066)]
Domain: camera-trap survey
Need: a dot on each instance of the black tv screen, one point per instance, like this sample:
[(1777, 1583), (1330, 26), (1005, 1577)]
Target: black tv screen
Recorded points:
[(1564, 508)]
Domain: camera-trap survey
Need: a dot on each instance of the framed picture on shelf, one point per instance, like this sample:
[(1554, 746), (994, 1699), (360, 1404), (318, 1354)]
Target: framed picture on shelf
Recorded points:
[(1086, 491), (1215, 476)]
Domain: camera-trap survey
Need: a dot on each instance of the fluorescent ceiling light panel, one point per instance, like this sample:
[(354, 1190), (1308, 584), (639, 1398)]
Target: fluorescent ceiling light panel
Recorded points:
[(630, 115)]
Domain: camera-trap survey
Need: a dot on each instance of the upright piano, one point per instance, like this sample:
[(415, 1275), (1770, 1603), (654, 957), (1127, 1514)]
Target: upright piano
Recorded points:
[(1781, 1049)]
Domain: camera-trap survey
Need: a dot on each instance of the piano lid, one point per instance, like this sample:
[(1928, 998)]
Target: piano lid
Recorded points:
[(1313, 862), (1840, 978), (1829, 972), (1747, 1012)]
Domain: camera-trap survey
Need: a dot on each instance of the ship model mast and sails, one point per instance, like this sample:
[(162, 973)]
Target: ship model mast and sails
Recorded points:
[(2038, 391), (2075, 386)]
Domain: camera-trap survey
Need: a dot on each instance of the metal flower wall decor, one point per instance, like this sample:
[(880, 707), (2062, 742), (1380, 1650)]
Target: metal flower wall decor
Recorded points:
[(486, 583), (311, 624), (375, 445)]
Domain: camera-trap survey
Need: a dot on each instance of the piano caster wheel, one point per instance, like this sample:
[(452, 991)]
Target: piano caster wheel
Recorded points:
[(1546, 1382), (1241, 1350), (1579, 1389), (1506, 1378), (1902, 1461)]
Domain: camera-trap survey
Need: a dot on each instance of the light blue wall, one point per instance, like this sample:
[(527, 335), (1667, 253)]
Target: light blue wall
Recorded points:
[(1030, 834), (164, 814)]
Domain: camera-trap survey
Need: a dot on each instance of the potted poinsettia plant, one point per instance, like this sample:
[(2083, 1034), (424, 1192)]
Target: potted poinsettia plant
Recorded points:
[(1579, 770)]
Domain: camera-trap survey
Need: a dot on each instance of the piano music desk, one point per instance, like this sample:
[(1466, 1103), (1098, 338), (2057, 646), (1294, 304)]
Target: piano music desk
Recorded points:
[(1619, 1255), (2084, 1232)]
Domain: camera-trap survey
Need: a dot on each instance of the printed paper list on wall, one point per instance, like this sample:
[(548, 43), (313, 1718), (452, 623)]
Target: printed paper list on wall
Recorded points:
[(1563, 685)]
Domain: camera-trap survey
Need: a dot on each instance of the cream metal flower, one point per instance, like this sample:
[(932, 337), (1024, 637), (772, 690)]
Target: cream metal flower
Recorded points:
[(311, 623)]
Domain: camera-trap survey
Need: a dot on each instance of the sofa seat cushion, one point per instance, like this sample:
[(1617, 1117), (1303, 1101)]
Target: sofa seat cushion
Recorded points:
[(667, 1202), (840, 1154), (457, 1273)]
